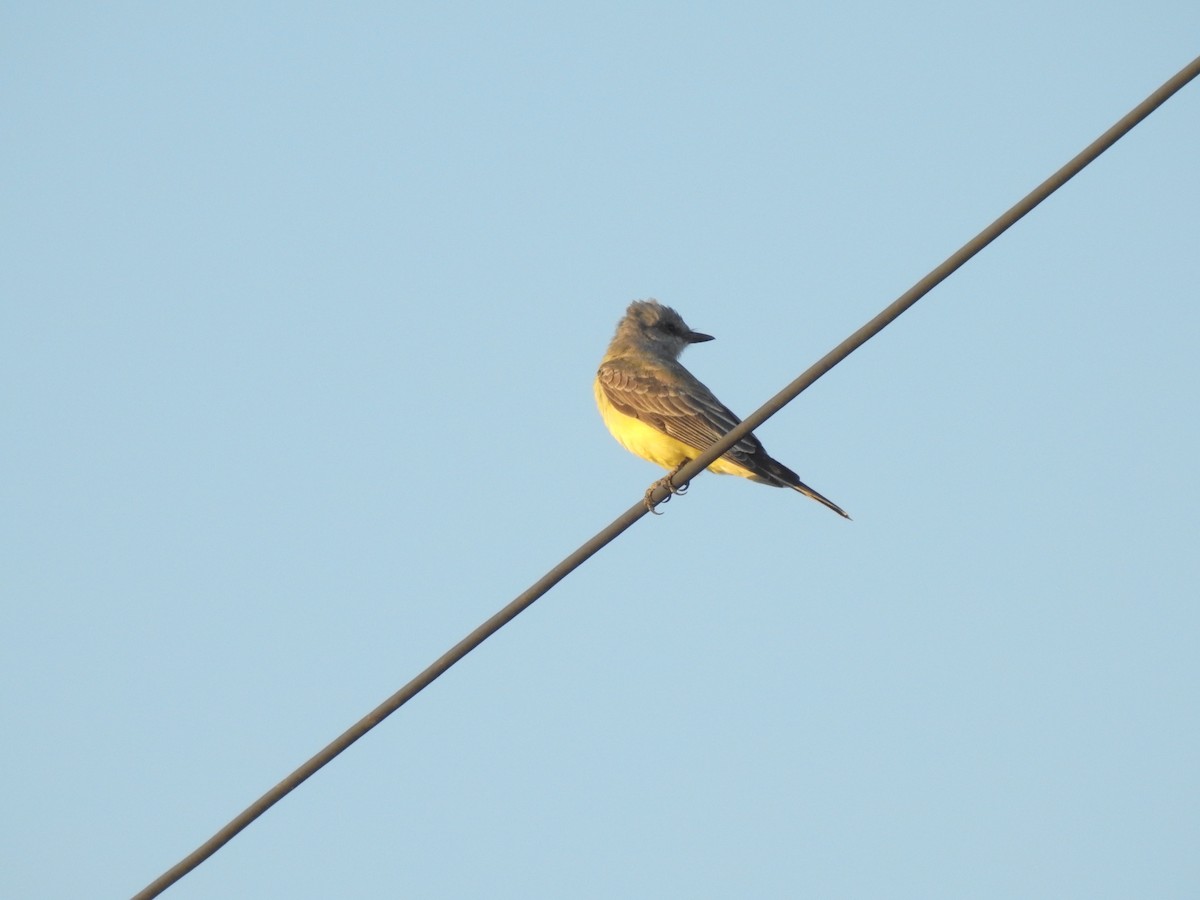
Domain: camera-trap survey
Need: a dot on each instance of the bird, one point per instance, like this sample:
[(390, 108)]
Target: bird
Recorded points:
[(658, 410)]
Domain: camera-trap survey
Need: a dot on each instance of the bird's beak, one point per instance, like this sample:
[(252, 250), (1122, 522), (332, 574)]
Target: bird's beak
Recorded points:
[(696, 337)]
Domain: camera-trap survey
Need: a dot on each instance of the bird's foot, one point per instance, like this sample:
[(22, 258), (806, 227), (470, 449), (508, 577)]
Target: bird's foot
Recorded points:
[(667, 484)]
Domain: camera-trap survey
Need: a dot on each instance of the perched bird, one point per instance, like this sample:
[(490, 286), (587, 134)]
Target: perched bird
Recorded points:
[(660, 411)]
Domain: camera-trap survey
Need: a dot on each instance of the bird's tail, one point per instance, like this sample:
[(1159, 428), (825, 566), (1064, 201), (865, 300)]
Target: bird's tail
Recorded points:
[(787, 478), (809, 492)]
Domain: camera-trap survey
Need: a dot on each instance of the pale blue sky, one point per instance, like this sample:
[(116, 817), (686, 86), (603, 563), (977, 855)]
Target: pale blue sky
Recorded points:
[(302, 307)]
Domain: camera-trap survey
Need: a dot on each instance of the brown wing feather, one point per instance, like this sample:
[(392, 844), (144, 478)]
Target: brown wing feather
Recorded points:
[(680, 406)]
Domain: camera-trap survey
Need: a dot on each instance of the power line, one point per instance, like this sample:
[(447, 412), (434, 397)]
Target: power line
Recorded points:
[(938, 275), (660, 494)]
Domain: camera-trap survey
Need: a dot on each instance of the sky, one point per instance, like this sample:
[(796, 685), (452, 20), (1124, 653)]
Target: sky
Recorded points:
[(302, 305)]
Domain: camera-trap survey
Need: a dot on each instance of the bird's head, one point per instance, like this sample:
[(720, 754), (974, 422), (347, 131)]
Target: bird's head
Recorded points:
[(652, 325)]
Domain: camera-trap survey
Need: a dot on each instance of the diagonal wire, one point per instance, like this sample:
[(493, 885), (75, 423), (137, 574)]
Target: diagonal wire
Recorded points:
[(660, 493), (934, 278)]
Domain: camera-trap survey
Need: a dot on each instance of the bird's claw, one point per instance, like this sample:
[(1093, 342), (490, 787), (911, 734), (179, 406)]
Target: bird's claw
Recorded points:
[(667, 485)]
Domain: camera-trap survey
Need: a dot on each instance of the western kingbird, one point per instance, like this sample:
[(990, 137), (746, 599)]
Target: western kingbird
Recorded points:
[(660, 411)]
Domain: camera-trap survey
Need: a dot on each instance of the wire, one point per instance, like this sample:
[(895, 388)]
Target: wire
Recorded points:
[(934, 278), (660, 493)]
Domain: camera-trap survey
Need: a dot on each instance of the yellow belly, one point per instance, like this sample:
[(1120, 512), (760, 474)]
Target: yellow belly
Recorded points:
[(651, 444)]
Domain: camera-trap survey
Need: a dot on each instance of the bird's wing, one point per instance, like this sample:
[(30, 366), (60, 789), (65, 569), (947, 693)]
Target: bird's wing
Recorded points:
[(678, 405)]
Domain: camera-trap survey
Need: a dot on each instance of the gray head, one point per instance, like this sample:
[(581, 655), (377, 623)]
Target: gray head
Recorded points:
[(650, 325)]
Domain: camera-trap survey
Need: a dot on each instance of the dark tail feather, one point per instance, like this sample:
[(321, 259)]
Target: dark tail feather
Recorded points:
[(787, 478), (809, 492)]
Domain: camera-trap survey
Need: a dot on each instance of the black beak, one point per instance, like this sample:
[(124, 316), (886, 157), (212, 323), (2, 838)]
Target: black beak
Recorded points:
[(695, 337)]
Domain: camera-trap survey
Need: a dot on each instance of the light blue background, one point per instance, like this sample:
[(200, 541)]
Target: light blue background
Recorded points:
[(302, 304)]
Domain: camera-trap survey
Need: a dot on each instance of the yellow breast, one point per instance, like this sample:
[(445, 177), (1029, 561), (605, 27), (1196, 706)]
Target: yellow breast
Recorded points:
[(651, 444), (639, 438)]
